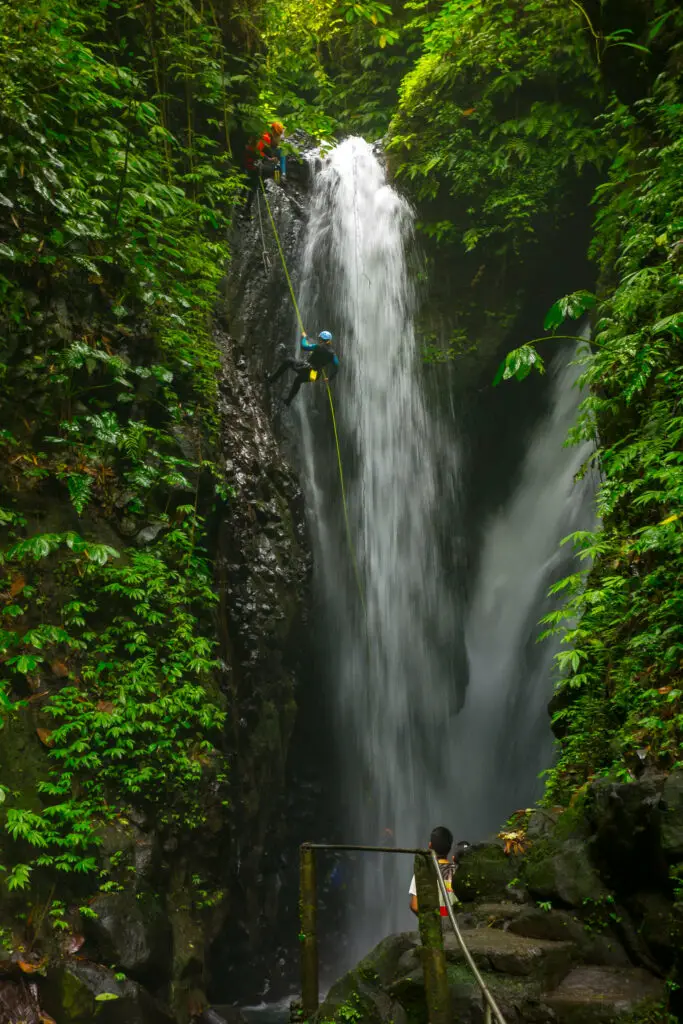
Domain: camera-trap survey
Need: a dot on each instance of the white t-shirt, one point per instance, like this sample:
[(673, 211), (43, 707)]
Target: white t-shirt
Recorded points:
[(448, 886)]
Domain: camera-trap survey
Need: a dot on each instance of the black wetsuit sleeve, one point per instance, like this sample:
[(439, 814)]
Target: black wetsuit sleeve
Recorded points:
[(333, 367)]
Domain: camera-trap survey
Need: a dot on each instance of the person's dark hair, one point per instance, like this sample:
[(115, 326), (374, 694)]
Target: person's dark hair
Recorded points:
[(441, 840)]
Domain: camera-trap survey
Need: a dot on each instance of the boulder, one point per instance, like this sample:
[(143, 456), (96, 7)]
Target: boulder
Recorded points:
[(657, 927), (353, 998), (484, 872), (519, 998), (362, 990), (598, 948), (563, 873), (381, 964), (672, 816), (624, 818), (504, 952), (81, 992), (132, 932), (490, 915), (541, 824), (605, 995)]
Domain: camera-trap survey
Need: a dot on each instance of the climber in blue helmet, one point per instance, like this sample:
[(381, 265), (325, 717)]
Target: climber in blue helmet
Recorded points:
[(322, 359)]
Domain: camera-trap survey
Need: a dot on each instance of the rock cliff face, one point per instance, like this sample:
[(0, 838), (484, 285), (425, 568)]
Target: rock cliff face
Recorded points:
[(584, 926), (182, 909)]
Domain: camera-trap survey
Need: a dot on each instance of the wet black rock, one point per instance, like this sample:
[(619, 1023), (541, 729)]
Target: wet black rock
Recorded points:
[(133, 932), (625, 822), (562, 872), (80, 992), (672, 816), (484, 873), (604, 995), (600, 948)]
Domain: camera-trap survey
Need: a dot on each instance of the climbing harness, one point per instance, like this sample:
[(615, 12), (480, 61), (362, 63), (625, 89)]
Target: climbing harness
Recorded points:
[(313, 376)]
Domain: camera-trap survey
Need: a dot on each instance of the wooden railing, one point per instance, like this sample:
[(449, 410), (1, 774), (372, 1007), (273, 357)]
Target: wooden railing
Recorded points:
[(429, 883)]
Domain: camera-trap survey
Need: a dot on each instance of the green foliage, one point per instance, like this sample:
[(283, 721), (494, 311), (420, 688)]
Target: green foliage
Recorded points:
[(327, 65), (496, 119), (521, 361), (117, 190), (621, 623)]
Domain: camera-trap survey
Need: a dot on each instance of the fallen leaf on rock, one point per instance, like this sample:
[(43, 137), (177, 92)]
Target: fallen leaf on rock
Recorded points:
[(45, 737), (104, 997), (28, 968), (18, 584), (45, 1018), (59, 668), (105, 705)]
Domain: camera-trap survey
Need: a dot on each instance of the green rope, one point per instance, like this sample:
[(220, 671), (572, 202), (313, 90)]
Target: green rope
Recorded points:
[(282, 257), (349, 538)]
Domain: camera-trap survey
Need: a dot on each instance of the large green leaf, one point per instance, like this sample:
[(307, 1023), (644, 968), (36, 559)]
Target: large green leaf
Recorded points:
[(570, 307), (518, 364)]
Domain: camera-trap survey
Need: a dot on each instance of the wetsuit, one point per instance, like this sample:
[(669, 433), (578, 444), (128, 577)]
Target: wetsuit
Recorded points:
[(263, 158), (321, 358)]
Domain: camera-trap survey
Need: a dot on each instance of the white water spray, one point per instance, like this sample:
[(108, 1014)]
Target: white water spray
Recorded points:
[(408, 760), (395, 695), (502, 740)]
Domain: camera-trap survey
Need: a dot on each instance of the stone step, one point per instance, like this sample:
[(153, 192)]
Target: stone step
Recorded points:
[(490, 915), (503, 952), (605, 995)]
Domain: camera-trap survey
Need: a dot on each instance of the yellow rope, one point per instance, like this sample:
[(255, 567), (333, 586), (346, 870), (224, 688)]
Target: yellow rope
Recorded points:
[(349, 539), (282, 257)]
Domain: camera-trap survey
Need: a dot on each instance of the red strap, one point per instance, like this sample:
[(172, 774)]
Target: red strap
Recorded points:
[(444, 911)]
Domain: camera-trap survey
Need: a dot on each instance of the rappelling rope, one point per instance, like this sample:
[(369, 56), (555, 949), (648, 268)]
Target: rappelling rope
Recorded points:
[(352, 550), (264, 252)]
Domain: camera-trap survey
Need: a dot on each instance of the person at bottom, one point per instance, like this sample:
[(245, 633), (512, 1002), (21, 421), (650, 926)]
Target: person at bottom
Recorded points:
[(440, 841)]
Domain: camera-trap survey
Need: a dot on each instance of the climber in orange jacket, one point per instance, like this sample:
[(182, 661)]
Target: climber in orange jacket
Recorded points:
[(263, 156)]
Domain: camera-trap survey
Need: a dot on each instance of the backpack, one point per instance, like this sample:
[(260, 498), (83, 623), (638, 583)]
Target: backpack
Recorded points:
[(447, 873)]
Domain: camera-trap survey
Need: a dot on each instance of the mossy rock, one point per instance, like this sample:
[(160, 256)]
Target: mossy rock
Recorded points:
[(520, 999), (563, 873), (359, 996), (484, 873), (80, 992), (607, 995), (672, 817)]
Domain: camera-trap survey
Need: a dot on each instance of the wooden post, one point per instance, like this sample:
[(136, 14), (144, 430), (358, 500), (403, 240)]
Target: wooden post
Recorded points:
[(309, 932), (433, 957)]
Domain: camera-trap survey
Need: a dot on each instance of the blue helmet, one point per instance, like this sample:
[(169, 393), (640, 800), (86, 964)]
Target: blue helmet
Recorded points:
[(325, 336)]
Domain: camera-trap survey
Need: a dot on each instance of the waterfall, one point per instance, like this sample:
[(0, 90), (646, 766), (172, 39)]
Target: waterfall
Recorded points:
[(411, 755), (393, 685), (502, 741)]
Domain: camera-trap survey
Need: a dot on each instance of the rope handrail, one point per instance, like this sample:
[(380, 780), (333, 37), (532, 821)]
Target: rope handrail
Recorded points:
[(349, 538), (491, 1003), (491, 1006)]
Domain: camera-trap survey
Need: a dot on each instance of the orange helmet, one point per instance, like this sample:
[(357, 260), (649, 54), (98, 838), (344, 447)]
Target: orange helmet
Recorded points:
[(278, 127)]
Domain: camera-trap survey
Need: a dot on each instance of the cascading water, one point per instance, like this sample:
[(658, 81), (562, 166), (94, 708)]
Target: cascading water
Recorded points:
[(393, 685), (502, 741), (411, 755)]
